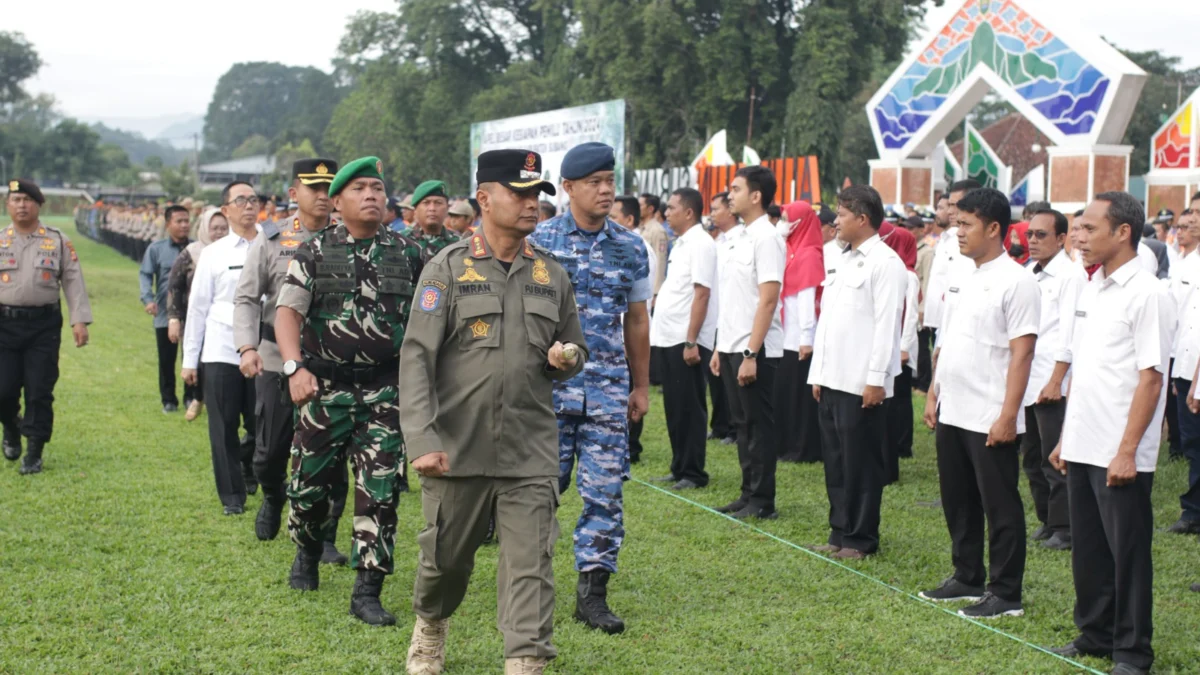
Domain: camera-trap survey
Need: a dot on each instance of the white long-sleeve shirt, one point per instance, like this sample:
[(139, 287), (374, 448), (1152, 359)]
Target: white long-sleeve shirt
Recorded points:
[(800, 319), (948, 267), (208, 332), (858, 335), (1060, 283), (908, 329)]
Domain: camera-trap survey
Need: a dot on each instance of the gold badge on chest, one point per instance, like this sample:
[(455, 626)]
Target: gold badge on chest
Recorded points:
[(48, 245), (540, 273), (471, 274), (480, 329)]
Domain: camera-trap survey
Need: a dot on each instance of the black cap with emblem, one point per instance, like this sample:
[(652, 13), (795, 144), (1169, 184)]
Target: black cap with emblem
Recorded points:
[(21, 186), (314, 171), (517, 170)]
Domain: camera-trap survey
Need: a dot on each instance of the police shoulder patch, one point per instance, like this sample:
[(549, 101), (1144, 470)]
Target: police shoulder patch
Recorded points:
[(431, 295)]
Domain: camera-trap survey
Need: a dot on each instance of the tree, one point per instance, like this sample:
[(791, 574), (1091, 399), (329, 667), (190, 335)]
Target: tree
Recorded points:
[(178, 181), (19, 61), (252, 147)]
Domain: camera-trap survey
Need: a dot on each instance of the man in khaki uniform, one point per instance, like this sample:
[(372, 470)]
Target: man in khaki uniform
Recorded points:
[(254, 303), (495, 325), (36, 261)]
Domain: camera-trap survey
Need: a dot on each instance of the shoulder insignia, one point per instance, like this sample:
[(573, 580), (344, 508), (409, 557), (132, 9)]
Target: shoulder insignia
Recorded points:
[(471, 274), (431, 295), (270, 230), (478, 249), (528, 250), (71, 248)]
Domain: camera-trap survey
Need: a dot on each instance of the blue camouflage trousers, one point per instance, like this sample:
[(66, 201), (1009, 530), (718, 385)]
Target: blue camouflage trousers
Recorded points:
[(600, 445)]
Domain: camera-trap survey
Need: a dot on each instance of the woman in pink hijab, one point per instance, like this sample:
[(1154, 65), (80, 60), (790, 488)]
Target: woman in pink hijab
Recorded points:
[(899, 437), (800, 299)]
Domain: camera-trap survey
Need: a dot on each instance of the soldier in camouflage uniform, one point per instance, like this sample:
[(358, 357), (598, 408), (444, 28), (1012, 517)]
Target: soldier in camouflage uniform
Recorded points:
[(609, 268), (340, 322), (254, 303), (429, 224)]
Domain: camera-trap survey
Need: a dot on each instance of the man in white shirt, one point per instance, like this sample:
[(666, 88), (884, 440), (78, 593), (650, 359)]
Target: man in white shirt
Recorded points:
[(750, 337), (1109, 448), (985, 350), (1060, 281), (683, 332), (948, 262), (721, 424), (856, 357), (1179, 292), (1184, 362), (227, 392)]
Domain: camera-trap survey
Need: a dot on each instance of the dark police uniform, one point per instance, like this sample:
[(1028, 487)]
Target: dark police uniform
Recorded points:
[(34, 267)]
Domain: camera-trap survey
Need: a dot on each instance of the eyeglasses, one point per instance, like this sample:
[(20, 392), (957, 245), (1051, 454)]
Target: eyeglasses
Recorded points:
[(243, 202), (1038, 234)]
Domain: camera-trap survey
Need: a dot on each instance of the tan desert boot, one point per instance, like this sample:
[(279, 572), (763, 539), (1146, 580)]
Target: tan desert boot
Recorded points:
[(525, 665), (427, 649)]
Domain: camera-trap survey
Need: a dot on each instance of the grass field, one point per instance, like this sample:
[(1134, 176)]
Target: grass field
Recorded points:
[(117, 559)]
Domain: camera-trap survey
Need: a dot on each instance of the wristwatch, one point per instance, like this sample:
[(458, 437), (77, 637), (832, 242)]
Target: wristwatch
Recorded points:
[(290, 368), (747, 354), (689, 345)]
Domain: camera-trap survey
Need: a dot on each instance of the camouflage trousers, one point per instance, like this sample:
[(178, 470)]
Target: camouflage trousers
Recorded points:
[(362, 426), (598, 449)]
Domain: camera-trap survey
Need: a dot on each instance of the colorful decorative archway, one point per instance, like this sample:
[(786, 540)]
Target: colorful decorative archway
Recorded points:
[(1175, 159)]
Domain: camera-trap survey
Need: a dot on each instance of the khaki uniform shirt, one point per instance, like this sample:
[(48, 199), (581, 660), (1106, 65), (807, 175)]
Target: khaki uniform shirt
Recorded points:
[(656, 239), (254, 300), (474, 379), (33, 267)]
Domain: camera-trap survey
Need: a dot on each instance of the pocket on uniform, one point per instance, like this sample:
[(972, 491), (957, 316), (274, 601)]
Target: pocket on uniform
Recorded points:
[(429, 536), (615, 298), (855, 290), (552, 531), (478, 321), (46, 272), (541, 321)]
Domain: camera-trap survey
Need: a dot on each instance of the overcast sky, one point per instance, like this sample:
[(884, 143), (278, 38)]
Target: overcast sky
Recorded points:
[(149, 58)]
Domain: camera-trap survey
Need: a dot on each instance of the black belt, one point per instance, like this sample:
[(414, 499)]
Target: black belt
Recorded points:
[(267, 332), (348, 374), (36, 312)]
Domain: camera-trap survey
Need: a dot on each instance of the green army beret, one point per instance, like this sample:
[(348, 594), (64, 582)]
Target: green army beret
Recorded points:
[(365, 167), (430, 188)]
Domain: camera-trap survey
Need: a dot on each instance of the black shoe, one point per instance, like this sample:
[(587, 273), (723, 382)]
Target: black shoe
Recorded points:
[(1181, 526), (591, 603), (402, 484), (305, 576), (269, 519), (731, 439), (1196, 588), (234, 510), (12, 443), (33, 458), (953, 590), (1042, 533), (170, 407), (1060, 541), (685, 484), (1128, 669), (751, 511), (251, 486), (364, 599), (1072, 650), (331, 556), (991, 607), (664, 479), (733, 506)]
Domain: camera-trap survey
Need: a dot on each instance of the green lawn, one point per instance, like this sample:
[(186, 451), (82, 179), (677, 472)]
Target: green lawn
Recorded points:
[(117, 559)]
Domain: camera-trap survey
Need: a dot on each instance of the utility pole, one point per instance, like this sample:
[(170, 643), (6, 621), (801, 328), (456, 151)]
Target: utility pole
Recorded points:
[(750, 125)]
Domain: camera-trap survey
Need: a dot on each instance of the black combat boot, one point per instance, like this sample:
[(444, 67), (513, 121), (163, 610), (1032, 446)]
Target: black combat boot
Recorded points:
[(591, 603), (364, 600), (33, 458), (330, 555), (12, 443), (305, 576), (270, 515)]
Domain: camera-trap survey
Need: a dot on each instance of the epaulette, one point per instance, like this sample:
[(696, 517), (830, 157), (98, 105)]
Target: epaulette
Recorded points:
[(270, 230)]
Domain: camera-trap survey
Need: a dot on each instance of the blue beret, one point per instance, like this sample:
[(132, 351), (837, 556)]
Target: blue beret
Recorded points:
[(585, 160)]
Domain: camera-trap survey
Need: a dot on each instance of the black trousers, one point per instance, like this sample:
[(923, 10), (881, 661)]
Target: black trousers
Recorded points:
[(979, 482), (29, 363), (1171, 415), (1189, 445), (1043, 426), (851, 439), (687, 412), (1111, 532), (898, 442), (635, 428), (230, 400), (924, 359), (168, 352), (753, 410), (719, 422), (799, 427)]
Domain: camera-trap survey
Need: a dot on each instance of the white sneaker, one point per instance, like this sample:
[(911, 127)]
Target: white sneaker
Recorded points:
[(525, 665), (427, 649)]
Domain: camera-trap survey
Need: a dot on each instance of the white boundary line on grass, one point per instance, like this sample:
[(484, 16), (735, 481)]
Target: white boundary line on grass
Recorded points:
[(868, 577)]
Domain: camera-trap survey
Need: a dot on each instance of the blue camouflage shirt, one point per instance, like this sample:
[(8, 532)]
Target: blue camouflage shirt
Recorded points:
[(609, 270)]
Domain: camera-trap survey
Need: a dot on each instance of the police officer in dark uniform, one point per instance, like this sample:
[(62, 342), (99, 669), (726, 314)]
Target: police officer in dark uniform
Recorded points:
[(36, 261)]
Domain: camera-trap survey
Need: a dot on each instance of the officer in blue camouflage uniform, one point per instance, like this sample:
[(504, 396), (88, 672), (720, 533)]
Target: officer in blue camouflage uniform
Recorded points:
[(609, 268)]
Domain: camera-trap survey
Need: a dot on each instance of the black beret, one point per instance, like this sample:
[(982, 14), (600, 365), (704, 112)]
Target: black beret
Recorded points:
[(21, 186), (827, 215), (586, 159)]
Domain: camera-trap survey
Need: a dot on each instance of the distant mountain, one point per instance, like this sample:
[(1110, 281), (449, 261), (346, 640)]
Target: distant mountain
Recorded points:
[(138, 147), (181, 134), (148, 127)]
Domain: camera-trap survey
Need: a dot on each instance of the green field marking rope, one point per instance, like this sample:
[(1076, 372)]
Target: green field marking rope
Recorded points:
[(868, 577)]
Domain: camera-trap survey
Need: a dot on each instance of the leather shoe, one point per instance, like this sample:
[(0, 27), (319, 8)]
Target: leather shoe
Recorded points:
[(1072, 650), (1128, 669), (1182, 526), (729, 440), (234, 510), (684, 484), (732, 507), (170, 408), (12, 444), (664, 479), (756, 512), (1059, 541), (1196, 588), (1042, 533), (849, 554), (825, 548)]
